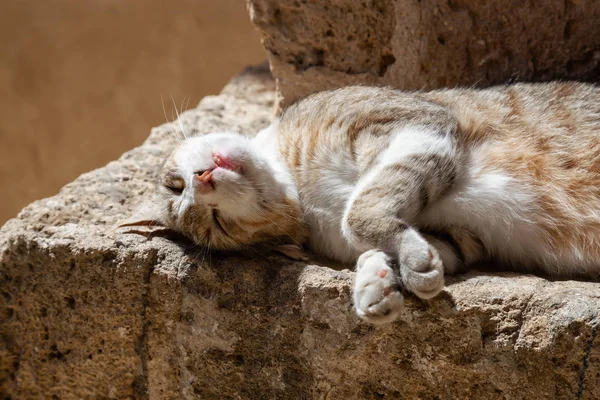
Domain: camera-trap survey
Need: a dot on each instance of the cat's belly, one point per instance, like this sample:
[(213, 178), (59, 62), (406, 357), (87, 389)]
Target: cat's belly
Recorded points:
[(499, 210), (326, 236), (324, 204)]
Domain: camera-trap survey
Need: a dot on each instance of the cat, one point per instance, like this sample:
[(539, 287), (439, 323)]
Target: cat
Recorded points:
[(410, 186)]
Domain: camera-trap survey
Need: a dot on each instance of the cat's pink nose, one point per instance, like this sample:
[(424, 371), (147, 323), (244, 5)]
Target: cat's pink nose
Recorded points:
[(206, 183)]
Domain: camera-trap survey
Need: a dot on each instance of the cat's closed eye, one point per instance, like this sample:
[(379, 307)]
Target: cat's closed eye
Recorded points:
[(215, 216), (174, 183)]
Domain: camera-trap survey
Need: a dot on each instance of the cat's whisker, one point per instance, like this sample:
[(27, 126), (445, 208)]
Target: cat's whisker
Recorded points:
[(279, 213), (203, 251), (182, 109), (187, 102), (173, 132), (289, 217), (183, 131), (277, 225)]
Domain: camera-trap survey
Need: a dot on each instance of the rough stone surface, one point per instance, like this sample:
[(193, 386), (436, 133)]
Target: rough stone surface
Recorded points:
[(87, 312), (426, 44)]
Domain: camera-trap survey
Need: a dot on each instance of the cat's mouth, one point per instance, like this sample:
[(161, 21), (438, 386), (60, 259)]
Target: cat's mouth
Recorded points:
[(227, 163)]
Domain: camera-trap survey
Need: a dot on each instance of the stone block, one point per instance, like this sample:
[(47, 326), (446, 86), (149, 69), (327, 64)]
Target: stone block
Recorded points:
[(89, 312), (426, 44)]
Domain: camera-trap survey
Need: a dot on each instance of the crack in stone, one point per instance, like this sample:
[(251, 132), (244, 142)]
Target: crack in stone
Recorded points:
[(588, 351), (523, 317), (140, 383)]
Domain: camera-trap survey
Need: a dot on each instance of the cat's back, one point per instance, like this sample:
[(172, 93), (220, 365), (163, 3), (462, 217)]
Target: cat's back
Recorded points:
[(547, 133), (518, 109), (556, 109), (353, 123)]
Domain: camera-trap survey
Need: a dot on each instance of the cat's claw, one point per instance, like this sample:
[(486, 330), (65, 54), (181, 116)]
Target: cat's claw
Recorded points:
[(377, 296), (421, 269)]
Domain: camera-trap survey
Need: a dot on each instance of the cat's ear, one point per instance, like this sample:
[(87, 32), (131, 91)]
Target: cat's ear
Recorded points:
[(293, 251), (150, 214)]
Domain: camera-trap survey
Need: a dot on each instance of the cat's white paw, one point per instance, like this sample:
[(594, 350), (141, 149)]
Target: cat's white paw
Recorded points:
[(421, 268), (377, 296)]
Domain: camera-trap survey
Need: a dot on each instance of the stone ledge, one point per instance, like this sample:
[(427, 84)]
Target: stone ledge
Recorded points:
[(86, 312)]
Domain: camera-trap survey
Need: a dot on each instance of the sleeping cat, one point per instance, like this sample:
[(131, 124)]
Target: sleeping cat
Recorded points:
[(409, 186)]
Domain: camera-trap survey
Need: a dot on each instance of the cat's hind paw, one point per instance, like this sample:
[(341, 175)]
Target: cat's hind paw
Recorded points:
[(421, 268), (377, 296)]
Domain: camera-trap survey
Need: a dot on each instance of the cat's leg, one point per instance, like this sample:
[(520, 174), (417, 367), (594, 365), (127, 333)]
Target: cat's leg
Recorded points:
[(377, 285), (419, 166), (377, 296)]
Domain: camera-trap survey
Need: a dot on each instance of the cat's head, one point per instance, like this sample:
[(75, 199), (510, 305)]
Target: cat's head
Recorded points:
[(221, 192)]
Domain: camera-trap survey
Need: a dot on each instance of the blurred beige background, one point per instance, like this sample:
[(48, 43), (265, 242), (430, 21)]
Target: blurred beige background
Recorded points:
[(81, 80)]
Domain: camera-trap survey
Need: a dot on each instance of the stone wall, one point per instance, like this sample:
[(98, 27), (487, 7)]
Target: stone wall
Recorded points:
[(426, 44), (88, 312)]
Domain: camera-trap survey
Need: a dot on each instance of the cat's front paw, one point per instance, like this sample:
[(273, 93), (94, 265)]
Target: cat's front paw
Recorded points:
[(421, 269), (377, 296)]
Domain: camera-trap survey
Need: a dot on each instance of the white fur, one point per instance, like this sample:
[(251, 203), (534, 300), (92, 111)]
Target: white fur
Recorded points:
[(499, 209), (413, 140), (265, 144), (236, 195), (377, 297), (324, 206)]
